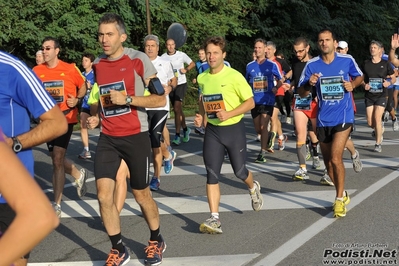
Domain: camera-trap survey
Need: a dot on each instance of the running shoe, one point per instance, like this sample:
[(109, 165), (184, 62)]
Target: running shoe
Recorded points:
[(347, 199), (386, 116), (373, 133), (57, 209), (308, 154), (288, 121), (168, 164), (283, 119), (256, 197), (377, 148), (395, 125), (270, 146), (261, 158), (211, 226), (117, 259), (339, 209), (357, 164), (281, 142), (257, 138), (316, 162), (80, 183), (301, 174), (200, 130), (154, 183), (186, 135), (176, 141), (154, 252), (84, 154), (326, 180)]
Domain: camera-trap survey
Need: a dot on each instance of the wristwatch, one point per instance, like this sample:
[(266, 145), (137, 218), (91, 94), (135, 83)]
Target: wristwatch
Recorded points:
[(16, 146), (129, 100)]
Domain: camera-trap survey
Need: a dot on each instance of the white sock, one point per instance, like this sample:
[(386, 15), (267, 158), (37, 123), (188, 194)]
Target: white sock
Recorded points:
[(215, 214), (86, 148)]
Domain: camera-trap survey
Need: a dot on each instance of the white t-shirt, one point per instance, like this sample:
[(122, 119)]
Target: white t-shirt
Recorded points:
[(178, 60), (164, 73)]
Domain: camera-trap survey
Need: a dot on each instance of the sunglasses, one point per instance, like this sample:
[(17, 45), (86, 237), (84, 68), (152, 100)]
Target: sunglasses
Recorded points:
[(47, 48)]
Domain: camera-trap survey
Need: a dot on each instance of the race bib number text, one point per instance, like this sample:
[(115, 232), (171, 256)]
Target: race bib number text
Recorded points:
[(212, 103), (56, 89), (332, 88)]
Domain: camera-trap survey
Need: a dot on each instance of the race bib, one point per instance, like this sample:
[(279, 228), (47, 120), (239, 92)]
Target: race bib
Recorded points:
[(56, 89), (109, 109), (332, 88), (260, 84), (302, 103), (212, 103), (376, 85)]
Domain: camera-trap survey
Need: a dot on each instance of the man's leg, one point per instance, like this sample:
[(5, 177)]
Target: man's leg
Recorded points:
[(84, 134), (108, 208), (301, 124), (148, 206), (377, 114), (177, 108), (58, 158), (121, 186)]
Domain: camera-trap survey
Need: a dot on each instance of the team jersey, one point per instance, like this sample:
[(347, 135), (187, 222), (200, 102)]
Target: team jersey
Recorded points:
[(60, 81), (164, 73), (21, 94), (375, 74), (335, 103), (88, 77), (226, 90), (261, 79), (284, 68), (178, 59), (125, 74)]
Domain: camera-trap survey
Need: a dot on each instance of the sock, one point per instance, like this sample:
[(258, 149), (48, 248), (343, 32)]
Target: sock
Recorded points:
[(185, 129), (178, 134), (341, 199), (354, 156), (117, 244), (215, 214), (252, 190), (314, 149), (155, 235), (169, 158), (281, 137), (86, 148)]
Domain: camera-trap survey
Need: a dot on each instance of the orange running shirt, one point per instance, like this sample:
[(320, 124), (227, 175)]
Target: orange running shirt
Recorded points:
[(61, 81)]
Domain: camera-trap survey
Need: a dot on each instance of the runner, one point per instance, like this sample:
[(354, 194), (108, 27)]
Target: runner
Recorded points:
[(226, 97), (330, 73), (260, 74)]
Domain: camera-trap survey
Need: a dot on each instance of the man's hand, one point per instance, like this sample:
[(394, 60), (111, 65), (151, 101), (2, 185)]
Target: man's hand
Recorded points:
[(367, 87), (72, 101), (118, 97), (198, 120), (222, 115), (92, 122), (395, 41), (314, 78), (167, 89), (348, 85)]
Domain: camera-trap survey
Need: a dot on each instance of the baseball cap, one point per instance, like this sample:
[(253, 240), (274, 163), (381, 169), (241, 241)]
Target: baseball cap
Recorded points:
[(343, 44)]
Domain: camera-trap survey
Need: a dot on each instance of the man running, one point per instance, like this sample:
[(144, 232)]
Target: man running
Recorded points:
[(331, 73), (226, 97)]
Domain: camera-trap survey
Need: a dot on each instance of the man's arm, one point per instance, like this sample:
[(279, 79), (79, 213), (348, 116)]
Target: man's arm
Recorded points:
[(74, 101), (241, 109), (188, 68), (394, 46), (53, 124)]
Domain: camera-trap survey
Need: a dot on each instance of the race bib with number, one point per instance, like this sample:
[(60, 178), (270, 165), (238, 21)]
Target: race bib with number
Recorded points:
[(260, 84), (110, 109), (56, 89), (302, 103), (212, 103), (376, 85), (332, 88)]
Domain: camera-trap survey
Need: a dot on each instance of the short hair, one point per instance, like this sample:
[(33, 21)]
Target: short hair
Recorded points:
[(260, 40), (109, 18), (272, 44), (379, 44), (327, 30), (39, 52), (151, 37), (55, 40), (301, 40), (218, 41), (90, 56)]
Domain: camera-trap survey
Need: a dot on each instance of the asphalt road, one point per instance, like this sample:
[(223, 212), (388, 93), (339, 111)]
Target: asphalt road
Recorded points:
[(295, 226)]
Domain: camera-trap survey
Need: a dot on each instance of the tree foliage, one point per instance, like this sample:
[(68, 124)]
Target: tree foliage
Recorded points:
[(25, 23)]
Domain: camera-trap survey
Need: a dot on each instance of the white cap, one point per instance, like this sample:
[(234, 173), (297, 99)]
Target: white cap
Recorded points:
[(343, 44)]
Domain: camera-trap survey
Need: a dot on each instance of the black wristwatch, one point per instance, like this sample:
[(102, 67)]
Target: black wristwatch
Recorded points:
[(129, 100), (16, 146)]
